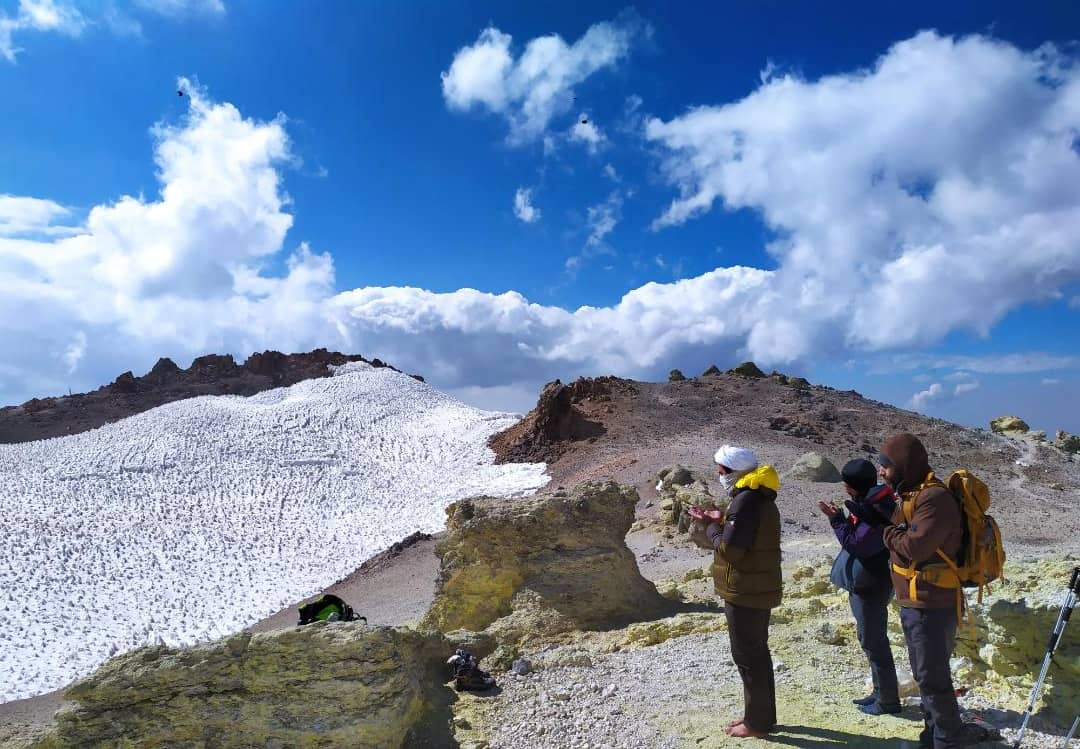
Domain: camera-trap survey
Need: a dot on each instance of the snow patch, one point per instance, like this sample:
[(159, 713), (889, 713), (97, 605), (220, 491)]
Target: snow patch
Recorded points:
[(196, 519)]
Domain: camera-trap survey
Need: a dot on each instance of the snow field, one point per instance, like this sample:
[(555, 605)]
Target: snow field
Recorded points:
[(191, 521)]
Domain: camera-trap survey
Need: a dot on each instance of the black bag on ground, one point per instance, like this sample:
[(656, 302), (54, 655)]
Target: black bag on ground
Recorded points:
[(467, 673), (328, 608)]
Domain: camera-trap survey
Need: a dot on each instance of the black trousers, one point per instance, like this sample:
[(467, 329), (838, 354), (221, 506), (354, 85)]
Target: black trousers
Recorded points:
[(931, 635), (749, 632), (871, 611)]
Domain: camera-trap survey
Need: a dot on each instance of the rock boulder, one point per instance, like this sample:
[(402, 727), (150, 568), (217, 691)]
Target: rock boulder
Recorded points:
[(814, 466), (1008, 424), (325, 684), (527, 570), (557, 420), (1070, 443), (747, 369)]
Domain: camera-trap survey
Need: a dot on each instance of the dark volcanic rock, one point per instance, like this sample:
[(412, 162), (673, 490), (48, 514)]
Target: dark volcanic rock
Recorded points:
[(747, 369), (213, 374), (561, 417)]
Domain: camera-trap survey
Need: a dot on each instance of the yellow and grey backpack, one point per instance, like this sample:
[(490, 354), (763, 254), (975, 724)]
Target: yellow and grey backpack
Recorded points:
[(981, 559)]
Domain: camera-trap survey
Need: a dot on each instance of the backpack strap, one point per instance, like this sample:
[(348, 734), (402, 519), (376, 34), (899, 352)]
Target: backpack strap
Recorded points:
[(944, 578)]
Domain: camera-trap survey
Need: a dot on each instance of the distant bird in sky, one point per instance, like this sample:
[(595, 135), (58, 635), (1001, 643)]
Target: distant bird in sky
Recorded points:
[(179, 93)]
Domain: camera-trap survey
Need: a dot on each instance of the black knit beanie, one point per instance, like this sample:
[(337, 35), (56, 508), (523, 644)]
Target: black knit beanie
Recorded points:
[(860, 475)]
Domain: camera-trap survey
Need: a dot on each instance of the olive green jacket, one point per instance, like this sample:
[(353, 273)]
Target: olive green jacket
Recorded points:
[(746, 557)]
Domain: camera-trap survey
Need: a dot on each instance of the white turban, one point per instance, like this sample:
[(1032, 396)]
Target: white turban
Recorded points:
[(738, 459)]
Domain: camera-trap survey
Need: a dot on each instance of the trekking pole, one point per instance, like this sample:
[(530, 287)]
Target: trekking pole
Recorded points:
[(1072, 732), (1067, 606)]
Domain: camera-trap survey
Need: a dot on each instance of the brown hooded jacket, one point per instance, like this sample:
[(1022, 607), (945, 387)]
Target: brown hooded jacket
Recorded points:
[(936, 523)]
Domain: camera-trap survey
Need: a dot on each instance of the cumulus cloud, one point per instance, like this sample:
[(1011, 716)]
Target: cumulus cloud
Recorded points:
[(924, 398), (938, 393), (947, 159), (185, 272), (38, 15), (179, 273), (523, 207), (21, 216), (537, 86)]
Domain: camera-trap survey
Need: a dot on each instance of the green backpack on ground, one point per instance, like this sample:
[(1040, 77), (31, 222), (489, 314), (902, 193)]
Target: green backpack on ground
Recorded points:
[(328, 608)]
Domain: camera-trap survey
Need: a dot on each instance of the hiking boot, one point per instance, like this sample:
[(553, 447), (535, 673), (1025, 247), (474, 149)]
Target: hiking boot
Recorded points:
[(868, 699), (876, 708)]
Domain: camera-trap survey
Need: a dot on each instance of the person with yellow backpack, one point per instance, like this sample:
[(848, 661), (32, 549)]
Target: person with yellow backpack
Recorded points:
[(926, 526)]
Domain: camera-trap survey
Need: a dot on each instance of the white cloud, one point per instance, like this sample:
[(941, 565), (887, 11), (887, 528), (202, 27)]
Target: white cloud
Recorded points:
[(958, 376), (1075, 302), (65, 17), (586, 132), (537, 86), (177, 8), (19, 216), (523, 207), (38, 15), (182, 274), (74, 352), (610, 173), (1016, 363), (965, 387), (179, 273), (938, 393), (947, 159), (1051, 381), (924, 398), (603, 218)]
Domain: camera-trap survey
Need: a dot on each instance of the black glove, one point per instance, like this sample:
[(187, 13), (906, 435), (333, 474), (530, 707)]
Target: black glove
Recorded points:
[(866, 513)]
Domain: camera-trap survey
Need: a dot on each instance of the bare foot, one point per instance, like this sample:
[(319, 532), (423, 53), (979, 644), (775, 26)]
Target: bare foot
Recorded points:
[(736, 722), (742, 731)]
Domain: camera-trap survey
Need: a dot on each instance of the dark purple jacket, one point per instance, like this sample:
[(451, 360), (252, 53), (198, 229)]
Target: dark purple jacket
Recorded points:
[(860, 534)]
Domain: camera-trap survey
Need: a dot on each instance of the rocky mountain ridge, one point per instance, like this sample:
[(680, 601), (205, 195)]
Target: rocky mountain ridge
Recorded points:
[(127, 395)]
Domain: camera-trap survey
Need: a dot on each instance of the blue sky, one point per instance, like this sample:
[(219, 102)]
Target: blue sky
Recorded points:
[(878, 198)]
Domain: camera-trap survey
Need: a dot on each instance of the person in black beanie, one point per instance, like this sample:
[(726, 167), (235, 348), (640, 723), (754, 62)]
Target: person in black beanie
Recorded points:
[(862, 568)]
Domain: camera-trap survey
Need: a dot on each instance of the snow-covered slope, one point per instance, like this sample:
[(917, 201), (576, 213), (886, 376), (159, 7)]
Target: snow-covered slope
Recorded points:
[(195, 519)]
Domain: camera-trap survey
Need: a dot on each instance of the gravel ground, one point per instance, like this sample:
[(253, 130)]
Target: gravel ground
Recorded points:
[(681, 693)]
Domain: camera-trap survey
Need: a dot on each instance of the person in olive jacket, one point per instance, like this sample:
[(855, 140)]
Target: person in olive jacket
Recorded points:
[(928, 613), (746, 574)]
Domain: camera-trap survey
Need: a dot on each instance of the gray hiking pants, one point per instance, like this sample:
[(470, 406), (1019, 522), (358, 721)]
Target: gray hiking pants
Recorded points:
[(930, 635)]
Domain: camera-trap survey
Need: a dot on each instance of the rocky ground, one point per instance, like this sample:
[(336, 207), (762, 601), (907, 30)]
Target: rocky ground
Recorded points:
[(670, 682)]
